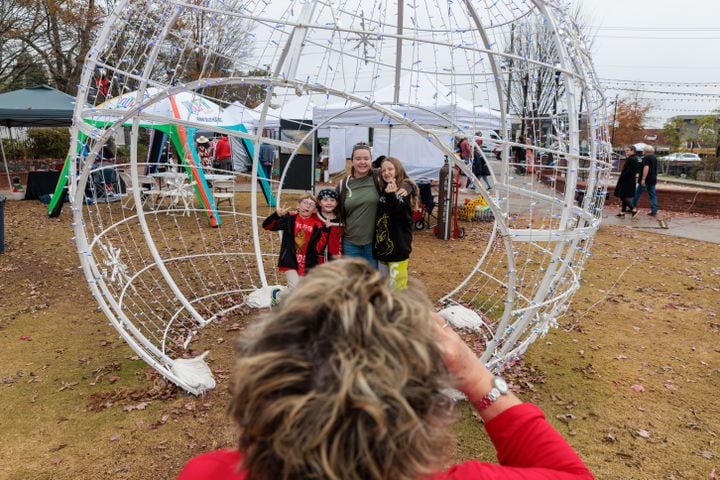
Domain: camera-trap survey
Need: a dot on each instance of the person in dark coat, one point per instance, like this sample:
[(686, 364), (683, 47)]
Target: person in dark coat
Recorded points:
[(480, 167), (627, 181)]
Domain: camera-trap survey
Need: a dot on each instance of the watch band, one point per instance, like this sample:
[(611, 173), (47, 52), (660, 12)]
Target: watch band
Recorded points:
[(499, 388)]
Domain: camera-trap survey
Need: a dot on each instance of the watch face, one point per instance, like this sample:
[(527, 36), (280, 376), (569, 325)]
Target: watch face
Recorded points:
[(500, 384)]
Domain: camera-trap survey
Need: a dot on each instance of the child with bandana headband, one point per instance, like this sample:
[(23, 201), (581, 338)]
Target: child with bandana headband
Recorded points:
[(328, 213)]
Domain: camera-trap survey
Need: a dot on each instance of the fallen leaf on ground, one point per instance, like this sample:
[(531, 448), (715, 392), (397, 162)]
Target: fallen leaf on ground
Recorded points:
[(139, 406)]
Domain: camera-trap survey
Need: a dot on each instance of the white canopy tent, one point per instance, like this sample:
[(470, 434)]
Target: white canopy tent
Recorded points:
[(425, 102), (236, 113), (300, 108)]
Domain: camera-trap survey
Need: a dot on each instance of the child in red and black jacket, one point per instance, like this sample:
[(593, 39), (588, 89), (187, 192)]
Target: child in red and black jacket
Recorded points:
[(328, 213), (303, 238)]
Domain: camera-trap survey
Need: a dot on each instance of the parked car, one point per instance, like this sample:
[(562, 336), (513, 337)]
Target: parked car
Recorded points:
[(679, 163), (683, 158)]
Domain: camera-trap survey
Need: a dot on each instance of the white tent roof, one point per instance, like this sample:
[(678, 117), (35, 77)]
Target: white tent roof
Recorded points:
[(292, 108), (187, 106), (236, 113), (422, 100)]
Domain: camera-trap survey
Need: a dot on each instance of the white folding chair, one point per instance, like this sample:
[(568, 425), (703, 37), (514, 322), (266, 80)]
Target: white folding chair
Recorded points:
[(224, 191), (147, 185)]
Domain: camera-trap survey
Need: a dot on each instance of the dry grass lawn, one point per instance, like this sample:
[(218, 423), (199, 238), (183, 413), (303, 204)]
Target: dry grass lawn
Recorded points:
[(631, 378)]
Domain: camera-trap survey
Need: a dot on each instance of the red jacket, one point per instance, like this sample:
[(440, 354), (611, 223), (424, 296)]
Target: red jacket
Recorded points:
[(303, 239), (528, 448), (222, 149)]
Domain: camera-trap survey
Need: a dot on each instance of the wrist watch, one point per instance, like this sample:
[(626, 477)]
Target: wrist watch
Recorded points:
[(499, 387)]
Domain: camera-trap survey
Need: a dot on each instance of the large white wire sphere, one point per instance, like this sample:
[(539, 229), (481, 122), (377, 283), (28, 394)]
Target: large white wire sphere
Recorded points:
[(166, 255)]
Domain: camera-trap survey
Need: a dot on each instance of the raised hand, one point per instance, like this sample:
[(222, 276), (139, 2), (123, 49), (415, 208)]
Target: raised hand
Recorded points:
[(325, 220), (282, 210), (458, 357)]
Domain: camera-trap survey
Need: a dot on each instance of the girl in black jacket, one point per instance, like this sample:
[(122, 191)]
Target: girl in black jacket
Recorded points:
[(392, 242)]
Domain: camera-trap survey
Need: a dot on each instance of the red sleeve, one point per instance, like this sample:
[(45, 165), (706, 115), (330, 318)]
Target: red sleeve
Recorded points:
[(528, 448), (335, 241), (324, 235), (217, 465), (465, 150)]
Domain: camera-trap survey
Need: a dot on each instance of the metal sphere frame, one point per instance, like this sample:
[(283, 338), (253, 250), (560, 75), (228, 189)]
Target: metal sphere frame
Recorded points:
[(142, 265)]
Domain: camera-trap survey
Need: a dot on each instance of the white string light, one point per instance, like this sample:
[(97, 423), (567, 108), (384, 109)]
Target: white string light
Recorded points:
[(162, 275)]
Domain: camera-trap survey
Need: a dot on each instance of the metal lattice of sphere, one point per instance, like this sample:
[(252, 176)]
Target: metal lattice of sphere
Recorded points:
[(167, 254)]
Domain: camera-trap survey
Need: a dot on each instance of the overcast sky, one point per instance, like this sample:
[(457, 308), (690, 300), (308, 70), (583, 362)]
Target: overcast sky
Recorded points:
[(659, 41)]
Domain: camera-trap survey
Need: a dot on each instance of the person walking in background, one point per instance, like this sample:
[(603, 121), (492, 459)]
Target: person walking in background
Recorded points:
[(648, 180), (479, 166), (466, 155), (627, 181), (266, 159), (223, 155)]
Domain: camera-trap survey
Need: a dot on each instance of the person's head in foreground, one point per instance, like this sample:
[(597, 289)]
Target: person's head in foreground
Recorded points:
[(343, 381)]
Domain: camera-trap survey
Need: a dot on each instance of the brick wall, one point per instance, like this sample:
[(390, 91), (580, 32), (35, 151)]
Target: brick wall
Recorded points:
[(670, 199), (696, 201)]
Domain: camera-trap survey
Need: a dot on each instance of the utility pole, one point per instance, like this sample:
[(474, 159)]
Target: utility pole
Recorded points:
[(510, 67), (612, 136)]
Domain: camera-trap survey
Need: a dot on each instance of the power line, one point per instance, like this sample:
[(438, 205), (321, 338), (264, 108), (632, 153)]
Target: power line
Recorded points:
[(632, 28), (636, 37), (659, 83), (684, 94), (636, 67)]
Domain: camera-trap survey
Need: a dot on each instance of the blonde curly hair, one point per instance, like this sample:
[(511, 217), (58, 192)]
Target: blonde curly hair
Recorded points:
[(343, 382)]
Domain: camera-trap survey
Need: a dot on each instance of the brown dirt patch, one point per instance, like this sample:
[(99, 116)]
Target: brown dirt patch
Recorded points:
[(630, 378)]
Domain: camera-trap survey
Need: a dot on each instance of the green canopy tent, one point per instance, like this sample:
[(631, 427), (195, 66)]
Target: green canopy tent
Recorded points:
[(182, 106), (38, 106)]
